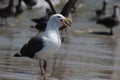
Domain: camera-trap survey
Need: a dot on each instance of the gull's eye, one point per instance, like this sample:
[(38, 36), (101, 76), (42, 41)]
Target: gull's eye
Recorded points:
[(59, 17)]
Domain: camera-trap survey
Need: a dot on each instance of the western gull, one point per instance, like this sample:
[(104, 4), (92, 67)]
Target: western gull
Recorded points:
[(46, 45), (112, 21)]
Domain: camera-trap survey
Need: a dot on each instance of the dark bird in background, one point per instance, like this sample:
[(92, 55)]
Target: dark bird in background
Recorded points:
[(112, 21), (7, 12), (41, 22), (19, 8), (30, 3), (48, 13), (102, 12)]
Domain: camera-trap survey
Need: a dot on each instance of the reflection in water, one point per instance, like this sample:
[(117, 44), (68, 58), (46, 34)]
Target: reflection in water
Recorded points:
[(82, 56), (96, 56)]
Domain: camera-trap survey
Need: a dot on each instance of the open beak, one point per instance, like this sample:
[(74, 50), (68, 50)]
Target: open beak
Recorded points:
[(66, 22)]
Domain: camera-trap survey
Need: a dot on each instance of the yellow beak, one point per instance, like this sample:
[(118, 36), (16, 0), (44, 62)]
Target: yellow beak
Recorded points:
[(66, 22)]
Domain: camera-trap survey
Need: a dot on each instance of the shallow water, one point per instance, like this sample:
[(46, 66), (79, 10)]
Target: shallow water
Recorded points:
[(82, 56)]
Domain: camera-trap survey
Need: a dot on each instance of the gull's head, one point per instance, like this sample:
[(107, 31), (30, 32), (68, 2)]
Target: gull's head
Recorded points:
[(60, 21)]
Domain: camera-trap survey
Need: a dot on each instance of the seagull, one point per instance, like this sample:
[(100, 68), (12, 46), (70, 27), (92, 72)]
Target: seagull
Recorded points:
[(102, 12), (112, 21), (41, 47)]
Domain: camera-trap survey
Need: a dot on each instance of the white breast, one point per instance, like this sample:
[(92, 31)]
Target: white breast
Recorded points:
[(52, 44)]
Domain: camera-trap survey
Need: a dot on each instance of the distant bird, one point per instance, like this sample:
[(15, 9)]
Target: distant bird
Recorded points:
[(112, 21), (42, 22), (30, 3), (46, 45), (102, 12), (19, 8), (7, 12)]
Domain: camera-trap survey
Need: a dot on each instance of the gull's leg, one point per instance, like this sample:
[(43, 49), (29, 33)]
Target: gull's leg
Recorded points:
[(45, 65), (42, 69)]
